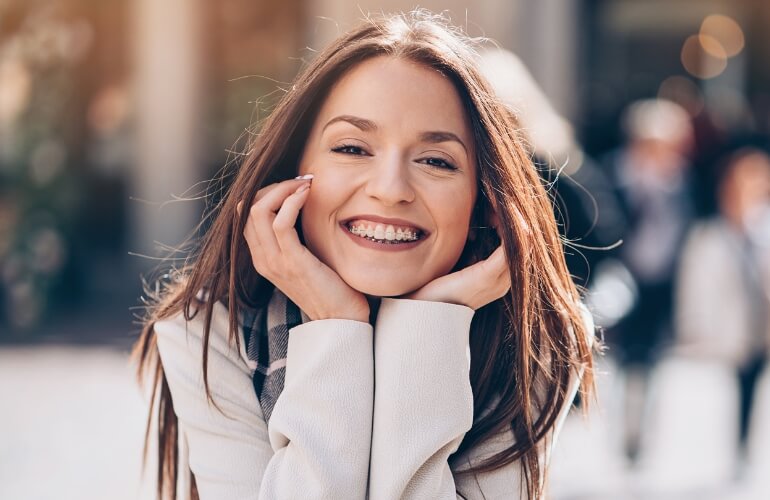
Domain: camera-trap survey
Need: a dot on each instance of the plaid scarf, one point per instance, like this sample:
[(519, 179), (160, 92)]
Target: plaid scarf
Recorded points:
[(266, 338)]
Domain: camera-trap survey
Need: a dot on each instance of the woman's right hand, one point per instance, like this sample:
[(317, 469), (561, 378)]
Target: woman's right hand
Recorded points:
[(279, 256)]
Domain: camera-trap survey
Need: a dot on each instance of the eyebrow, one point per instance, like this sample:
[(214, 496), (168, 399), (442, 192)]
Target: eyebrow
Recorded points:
[(433, 137), (436, 137), (362, 123)]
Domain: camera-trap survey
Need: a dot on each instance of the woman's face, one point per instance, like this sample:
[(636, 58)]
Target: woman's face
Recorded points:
[(395, 177), (746, 186)]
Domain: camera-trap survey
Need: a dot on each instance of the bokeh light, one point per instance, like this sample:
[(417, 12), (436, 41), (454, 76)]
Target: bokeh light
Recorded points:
[(15, 89), (726, 31), (683, 91), (703, 56)]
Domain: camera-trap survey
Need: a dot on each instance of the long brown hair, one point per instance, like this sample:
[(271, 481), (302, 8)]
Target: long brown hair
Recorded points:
[(525, 347)]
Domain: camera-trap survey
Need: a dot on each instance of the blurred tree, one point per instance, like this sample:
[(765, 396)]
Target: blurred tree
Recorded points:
[(43, 99)]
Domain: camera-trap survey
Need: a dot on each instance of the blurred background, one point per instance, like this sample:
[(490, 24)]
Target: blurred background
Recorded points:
[(649, 120)]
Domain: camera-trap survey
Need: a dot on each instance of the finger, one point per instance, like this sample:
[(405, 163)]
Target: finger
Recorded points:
[(263, 213), (262, 192), (504, 278), (285, 220), (274, 194), (505, 283), (249, 232), (496, 264), (259, 227), (255, 249)]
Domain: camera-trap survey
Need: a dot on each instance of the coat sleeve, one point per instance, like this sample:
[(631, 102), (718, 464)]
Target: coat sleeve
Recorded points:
[(423, 406), (318, 440), (709, 314)]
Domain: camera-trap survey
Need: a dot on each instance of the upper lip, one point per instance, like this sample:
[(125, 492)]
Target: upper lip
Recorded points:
[(386, 220)]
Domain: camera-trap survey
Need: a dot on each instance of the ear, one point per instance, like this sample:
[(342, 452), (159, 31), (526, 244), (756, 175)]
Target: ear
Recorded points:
[(494, 223), (494, 220)]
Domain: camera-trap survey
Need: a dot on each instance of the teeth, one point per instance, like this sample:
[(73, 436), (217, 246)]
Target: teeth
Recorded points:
[(381, 232)]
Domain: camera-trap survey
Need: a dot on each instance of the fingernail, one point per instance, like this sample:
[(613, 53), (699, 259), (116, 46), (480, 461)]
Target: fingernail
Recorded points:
[(304, 177), (303, 187)]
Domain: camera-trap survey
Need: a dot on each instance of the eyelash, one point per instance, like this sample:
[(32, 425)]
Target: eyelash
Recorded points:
[(341, 150), (360, 152)]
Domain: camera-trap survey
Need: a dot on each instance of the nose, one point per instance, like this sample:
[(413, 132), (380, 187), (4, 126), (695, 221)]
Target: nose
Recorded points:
[(389, 181)]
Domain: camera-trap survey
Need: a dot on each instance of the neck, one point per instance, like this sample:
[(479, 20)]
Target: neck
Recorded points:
[(374, 307), (733, 212)]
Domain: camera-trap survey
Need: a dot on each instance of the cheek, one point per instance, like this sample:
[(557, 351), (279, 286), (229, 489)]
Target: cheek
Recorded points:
[(453, 218), (319, 213), (456, 225), (458, 210), (311, 221)]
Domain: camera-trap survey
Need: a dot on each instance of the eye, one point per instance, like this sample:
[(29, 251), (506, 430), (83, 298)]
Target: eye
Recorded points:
[(438, 163), (349, 149)]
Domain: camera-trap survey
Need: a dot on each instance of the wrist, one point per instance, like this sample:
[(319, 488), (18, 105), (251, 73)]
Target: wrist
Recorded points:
[(362, 316)]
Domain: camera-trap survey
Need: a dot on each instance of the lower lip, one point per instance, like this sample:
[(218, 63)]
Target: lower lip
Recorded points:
[(387, 247)]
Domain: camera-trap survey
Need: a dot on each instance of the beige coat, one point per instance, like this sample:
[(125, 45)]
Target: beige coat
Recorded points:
[(334, 433), (712, 302)]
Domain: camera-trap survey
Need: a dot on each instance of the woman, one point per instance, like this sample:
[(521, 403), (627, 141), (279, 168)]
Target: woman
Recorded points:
[(360, 292), (723, 293)]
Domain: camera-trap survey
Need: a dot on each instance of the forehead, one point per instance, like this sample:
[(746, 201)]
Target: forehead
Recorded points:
[(398, 93)]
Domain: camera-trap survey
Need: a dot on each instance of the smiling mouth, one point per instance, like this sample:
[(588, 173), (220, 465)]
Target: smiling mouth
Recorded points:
[(384, 233)]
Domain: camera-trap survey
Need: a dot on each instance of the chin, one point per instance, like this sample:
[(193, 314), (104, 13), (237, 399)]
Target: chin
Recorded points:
[(383, 287)]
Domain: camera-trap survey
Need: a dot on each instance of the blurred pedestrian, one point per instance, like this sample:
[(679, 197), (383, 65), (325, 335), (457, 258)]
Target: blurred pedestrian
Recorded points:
[(723, 296), (651, 172)]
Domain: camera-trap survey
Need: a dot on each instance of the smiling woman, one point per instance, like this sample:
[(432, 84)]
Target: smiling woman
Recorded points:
[(381, 308)]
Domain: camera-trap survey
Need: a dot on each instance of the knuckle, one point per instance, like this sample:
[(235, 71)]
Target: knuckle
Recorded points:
[(278, 225), (264, 268), (258, 266), (250, 234)]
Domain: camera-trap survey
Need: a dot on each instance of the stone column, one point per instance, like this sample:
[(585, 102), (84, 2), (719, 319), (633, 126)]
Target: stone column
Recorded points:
[(547, 42), (168, 109)]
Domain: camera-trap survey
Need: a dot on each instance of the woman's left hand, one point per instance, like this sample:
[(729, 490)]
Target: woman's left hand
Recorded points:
[(474, 286)]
